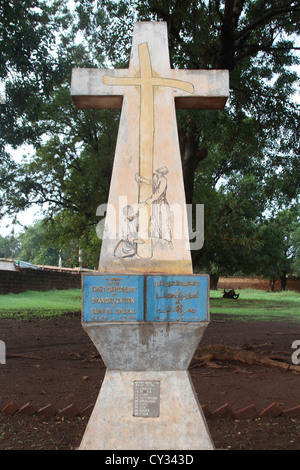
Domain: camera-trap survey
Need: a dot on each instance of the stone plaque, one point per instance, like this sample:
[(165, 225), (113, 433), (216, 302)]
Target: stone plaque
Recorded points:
[(146, 398), (177, 298), (153, 298), (113, 297)]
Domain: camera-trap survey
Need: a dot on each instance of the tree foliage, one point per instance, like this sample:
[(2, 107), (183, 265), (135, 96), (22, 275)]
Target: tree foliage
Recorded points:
[(34, 249), (276, 250), (28, 65), (9, 247)]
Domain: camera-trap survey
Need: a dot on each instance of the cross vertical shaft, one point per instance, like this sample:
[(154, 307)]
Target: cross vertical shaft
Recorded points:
[(146, 151)]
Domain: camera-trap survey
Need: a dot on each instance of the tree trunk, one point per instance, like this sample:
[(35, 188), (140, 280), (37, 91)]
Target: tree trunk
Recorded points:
[(214, 279), (220, 352), (283, 281), (190, 157)]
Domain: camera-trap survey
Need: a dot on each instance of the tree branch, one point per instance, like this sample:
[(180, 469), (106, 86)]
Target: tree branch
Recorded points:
[(232, 12), (244, 33), (232, 40), (237, 10), (253, 49), (217, 5)]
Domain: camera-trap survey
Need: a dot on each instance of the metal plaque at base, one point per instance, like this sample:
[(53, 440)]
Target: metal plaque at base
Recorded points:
[(146, 398)]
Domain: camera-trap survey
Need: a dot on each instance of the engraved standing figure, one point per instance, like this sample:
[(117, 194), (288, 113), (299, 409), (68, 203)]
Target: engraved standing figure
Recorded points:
[(160, 216)]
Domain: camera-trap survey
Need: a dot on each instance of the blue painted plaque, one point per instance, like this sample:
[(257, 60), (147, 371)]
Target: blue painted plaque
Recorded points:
[(154, 298), (177, 298), (113, 297)]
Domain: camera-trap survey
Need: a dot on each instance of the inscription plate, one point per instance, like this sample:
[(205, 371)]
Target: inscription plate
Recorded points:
[(146, 398), (113, 297), (177, 298), (153, 298)]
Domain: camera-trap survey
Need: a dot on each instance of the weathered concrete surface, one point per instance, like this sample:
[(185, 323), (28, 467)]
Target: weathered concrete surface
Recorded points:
[(146, 345), (180, 425)]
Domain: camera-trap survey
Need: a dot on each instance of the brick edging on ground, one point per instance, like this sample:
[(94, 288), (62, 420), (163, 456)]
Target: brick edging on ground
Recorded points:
[(71, 411)]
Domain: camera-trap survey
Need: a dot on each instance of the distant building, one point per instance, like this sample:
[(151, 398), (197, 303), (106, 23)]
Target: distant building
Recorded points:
[(7, 265)]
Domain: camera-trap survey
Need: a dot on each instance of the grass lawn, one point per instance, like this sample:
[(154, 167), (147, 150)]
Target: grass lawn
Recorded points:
[(40, 304), (251, 304), (257, 305)]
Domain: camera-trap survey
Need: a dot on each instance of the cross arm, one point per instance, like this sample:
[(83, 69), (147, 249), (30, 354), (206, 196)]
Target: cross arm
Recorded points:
[(211, 88), (88, 89), (204, 89)]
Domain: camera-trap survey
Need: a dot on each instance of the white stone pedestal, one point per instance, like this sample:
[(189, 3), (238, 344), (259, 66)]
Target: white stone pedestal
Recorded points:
[(158, 352), (180, 425)]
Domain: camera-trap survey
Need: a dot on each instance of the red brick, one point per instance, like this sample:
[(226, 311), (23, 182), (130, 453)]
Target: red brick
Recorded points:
[(206, 411), (47, 411), (222, 412), (249, 412), (292, 412), (88, 410), (10, 409), (27, 410), (271, 411), (69, 412)]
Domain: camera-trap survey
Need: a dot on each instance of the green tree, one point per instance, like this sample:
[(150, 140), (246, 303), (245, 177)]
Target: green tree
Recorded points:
[(238, 162), (35, 249), (30, 69), (29, 63), (71, 169), (244, 160), (9, 247), (275, 249), (255, 41), (296, 244), (231, 217)]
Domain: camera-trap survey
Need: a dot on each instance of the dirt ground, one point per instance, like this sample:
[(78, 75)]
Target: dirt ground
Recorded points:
[(54, 362)]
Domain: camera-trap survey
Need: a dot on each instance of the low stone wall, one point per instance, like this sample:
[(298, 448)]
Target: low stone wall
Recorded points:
[(238, 282), (38, 279), (46, 279)]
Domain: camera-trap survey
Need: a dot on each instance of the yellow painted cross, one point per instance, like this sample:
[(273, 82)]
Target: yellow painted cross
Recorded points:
[(146, 81), (147, 139)]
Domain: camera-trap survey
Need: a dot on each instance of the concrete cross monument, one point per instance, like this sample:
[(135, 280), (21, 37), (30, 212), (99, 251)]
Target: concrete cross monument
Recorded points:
[(144, 309)]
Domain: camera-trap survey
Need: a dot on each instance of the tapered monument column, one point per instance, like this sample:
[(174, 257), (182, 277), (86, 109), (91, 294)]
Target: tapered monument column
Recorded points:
[(144, 309)]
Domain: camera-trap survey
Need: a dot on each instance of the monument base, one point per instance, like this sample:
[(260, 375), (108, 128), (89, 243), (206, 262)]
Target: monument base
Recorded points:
[(147, 410)]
